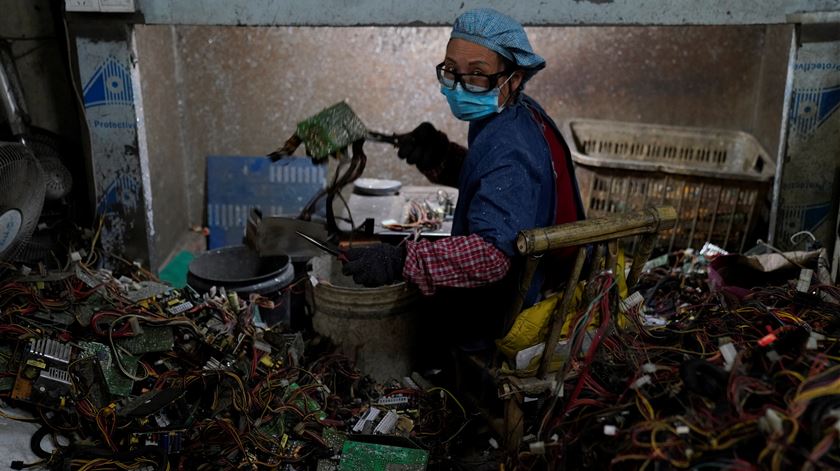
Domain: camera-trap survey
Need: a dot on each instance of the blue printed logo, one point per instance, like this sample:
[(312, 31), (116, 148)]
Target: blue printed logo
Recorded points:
[(811, 107), (110, 84)]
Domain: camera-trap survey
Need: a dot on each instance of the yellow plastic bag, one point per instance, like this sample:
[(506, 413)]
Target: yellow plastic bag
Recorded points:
[(621, 267), (530, 327), (621, 320)]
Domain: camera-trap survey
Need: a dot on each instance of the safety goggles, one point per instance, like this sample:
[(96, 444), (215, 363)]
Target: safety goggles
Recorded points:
[(475, 83)]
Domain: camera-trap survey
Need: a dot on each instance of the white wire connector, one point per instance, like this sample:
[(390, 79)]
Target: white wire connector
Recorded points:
[(537, 448), (803, 284), (771, 422), (631, 301), (75, 257), (813, 342), (397, 400), (370, 416), (135, 325), (387, 424), (729, 353), (649, 368), (711, 250), (655, 263), (410, 383), (610, 430), (683, 430), (643, 380)]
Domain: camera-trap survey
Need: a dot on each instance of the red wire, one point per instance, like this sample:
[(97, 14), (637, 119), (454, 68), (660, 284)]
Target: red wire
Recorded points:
[(254, 363), (593, 347), (124, 331)]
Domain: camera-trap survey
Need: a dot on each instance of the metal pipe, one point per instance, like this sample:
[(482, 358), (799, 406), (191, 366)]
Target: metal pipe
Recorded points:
[(11, 94)]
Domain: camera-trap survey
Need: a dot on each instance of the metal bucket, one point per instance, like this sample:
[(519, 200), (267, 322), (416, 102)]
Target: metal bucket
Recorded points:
[(375, 326)]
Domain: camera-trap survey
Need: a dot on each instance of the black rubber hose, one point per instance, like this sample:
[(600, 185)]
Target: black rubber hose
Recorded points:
[(35, 442)]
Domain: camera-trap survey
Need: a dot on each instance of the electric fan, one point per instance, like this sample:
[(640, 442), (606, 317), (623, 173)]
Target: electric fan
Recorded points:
[(29, 172), (22, 190), (46, 149)]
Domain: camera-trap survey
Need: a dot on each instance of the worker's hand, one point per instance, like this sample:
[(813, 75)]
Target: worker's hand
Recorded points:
[(424, 147), (378, 265)]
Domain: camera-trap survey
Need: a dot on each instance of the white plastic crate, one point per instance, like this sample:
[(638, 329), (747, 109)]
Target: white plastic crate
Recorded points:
[(716, 179)]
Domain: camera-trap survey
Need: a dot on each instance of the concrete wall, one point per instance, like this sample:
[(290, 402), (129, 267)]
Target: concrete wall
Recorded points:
[(442, 12), (165, 137), (241, 90), (767, 121), (722, 77)]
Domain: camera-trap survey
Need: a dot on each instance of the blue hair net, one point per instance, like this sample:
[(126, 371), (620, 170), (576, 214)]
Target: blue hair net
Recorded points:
[(500, 33)]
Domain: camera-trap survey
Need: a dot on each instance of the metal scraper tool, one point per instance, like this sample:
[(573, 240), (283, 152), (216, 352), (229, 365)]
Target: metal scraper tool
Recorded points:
[(330, 131)]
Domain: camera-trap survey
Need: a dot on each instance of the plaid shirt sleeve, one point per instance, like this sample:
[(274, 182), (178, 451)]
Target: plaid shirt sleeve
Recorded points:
[(459, 261)]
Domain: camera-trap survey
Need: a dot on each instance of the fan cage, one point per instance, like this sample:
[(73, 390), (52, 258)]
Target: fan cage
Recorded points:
[(22, 187)]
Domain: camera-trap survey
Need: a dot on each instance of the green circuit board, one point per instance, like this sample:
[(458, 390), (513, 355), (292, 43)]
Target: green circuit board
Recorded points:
[(117, 383), (359, 456)]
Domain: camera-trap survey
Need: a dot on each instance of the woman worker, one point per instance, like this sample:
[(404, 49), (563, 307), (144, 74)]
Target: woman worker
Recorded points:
[(516, 174)]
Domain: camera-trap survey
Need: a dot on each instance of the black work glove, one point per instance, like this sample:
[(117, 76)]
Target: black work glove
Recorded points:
[(424, 147), (378, 265)]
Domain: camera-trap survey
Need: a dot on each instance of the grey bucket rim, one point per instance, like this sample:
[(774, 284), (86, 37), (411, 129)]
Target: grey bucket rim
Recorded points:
[(406, 294), (272, 281), (230, 248), (363, 289)]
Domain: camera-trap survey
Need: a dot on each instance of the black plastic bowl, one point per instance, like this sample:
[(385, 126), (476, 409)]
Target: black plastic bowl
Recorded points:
[(241, 269)]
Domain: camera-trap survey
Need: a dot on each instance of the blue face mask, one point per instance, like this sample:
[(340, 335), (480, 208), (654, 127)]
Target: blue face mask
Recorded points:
[(468, 106)]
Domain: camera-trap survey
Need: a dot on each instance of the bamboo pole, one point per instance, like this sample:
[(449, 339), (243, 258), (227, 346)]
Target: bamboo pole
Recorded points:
[(612, 255), (642, 255), (558, 317), (514, 423), (652, 220), (525, 280)]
